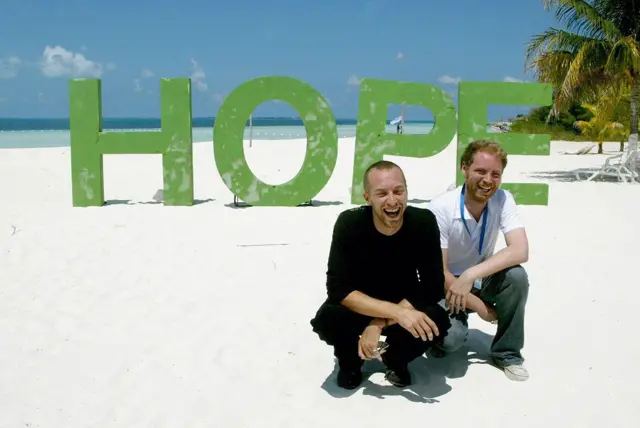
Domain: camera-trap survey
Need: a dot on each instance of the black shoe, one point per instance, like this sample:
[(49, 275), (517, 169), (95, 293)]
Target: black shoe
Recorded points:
[(399, 377), (349, 378)]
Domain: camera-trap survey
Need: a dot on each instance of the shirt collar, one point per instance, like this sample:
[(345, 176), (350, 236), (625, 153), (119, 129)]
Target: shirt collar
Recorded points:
[(467, 214)]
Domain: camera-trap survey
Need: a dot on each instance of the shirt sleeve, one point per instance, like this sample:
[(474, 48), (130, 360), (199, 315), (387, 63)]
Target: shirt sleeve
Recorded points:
[(442, 223), (341, 264), (430, 289), (509, 217)]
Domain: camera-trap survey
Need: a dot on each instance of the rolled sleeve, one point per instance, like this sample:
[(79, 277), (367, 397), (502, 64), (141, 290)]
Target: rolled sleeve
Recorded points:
[(509, 217)]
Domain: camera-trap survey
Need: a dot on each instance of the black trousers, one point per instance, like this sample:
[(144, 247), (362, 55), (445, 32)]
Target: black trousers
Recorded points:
[(341, 328)]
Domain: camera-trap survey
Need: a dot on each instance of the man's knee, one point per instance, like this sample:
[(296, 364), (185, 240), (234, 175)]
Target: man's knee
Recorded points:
[(456, 337), (403, 344), (324, 321), (332, 322), (456, 332), (516, 282), (440, 316)]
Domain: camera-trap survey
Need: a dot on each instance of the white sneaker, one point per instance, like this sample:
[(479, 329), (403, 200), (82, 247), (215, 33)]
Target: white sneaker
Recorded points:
[(516, 372)]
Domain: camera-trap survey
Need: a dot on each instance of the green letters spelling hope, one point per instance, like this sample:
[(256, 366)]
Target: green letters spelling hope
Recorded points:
[(174, 141)]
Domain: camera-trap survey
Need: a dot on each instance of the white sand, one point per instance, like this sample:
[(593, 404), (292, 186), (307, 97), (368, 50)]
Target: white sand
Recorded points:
[(141, 315)]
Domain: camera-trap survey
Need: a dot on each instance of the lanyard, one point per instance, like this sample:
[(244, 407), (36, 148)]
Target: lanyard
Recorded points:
[(484, 220)]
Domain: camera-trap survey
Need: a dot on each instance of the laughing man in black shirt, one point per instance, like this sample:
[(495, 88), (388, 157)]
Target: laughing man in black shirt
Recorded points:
[(385, 276)]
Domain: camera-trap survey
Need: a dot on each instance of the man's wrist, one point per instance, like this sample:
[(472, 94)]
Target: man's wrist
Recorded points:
[(404, 303), (469, 275), (397, 310), (379, 322)]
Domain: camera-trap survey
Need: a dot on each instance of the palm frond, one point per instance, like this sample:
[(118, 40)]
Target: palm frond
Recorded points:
[(555, 40), (624, 14), (581, 16), (615, 126), (624, 56), (591, 56), (592, 108), (552, 67)]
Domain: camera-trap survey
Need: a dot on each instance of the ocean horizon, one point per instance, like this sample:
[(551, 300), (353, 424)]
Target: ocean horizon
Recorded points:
[(26, 133), (57, 124), (16, 133)]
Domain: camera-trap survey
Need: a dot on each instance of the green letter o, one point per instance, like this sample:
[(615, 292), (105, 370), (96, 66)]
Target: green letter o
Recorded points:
[(322, 141)]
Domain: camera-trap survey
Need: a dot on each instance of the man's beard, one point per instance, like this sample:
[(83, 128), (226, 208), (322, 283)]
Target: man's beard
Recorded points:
[(480, 192)]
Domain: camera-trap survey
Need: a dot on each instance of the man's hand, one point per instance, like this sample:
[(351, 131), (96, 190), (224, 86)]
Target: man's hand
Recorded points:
[(369, 342), (417, 323), (457, 293)]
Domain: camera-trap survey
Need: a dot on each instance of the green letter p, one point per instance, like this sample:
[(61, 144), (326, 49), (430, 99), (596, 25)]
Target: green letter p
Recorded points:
[(372, 140)]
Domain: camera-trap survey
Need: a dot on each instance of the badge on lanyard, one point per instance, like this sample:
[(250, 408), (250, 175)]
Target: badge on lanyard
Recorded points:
[(484, 220)]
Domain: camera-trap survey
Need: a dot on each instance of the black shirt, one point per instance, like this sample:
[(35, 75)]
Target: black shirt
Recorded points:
[(405, 265)]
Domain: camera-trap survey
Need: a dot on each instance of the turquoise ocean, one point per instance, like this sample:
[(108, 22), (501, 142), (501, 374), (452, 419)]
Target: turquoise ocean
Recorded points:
[(35, 133)]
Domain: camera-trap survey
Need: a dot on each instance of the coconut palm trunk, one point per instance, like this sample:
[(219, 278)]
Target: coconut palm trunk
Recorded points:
[(635, 103), (633, 128)]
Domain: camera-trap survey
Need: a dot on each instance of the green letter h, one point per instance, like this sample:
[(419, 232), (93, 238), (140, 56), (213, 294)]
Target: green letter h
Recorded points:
[(89, 143)]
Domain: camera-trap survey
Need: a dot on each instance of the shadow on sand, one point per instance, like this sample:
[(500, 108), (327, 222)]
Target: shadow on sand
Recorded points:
[(570, 176), (429, 373), (154, 202), (312, 203)]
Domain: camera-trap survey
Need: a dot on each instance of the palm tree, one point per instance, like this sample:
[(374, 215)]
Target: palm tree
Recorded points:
[(599, 49), (601, 127)]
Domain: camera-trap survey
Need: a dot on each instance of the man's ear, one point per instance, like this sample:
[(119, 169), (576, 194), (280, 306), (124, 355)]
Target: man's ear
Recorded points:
[(366, 198)]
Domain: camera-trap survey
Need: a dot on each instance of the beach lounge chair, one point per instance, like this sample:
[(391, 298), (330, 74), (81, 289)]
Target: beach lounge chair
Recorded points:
[(622, 166), (582, 151)]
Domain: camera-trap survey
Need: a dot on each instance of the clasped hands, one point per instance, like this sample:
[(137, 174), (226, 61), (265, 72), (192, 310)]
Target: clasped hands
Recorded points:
[(415, 322)]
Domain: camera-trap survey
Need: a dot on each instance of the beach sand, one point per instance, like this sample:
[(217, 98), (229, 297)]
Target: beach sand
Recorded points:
[(139, 315)]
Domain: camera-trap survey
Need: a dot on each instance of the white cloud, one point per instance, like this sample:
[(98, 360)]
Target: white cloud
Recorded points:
[(400, 55), (137, 82), (58, 62), (9, 67), (353, 80), (512, 79), (198, 76), (449, 80), (218, 97)]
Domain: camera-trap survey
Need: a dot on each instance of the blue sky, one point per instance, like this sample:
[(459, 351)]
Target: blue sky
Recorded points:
[(330, 44)]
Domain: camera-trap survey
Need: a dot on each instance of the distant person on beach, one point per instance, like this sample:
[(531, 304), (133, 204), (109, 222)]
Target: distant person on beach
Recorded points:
[(384, 277), (495, 286)]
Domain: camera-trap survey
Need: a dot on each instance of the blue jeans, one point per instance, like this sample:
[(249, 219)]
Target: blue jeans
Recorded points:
[(507, 292)]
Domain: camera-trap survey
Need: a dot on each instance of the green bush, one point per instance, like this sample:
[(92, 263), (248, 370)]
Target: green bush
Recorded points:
[(560, 128)]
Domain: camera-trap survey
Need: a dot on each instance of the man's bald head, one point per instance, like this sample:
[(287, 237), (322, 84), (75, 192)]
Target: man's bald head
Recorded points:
[(382, 165)]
